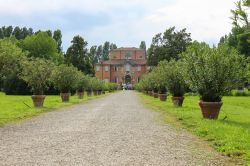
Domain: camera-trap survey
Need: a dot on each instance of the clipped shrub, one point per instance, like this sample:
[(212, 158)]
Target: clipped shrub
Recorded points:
[(65, 78), (212, 72), (36, 73)]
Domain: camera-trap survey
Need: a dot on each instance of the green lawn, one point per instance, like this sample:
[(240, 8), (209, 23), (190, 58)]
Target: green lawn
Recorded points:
[(14, 108), (230, 136)]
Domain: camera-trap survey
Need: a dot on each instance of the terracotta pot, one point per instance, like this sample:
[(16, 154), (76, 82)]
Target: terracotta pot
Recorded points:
[(80, 95), (155, 95), (163, 97), (38, 100), (210, 110), (177, 101), (65, 97)]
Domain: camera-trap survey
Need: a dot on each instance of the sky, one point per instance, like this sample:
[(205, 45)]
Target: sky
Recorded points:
[(124, 22)]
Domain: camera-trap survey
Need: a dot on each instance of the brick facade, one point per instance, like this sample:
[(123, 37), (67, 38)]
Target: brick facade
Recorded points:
[(125, 65)]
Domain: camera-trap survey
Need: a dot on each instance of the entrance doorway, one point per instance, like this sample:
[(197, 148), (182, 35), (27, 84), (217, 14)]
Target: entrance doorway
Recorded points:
[(127, 79)]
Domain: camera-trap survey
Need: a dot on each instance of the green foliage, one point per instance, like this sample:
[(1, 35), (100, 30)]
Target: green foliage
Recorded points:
[(57, 36), (168, 45), (41, 45), (77, 55), (105, 51), (10, 56), (83, 82), (37, 73), (112, 86), (171, 74), (65, 77), (13, 85), (150, 82), (243, 92), (143, 45), (239, 38), (212, 72)]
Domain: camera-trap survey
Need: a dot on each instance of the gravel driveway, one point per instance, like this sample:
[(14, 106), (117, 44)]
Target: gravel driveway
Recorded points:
[(113, 130)]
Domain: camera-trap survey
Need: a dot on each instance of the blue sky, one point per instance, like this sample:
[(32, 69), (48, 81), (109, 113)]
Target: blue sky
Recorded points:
[(124, 22)]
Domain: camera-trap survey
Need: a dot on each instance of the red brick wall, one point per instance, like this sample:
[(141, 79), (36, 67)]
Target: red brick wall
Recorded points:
[(120, 54)]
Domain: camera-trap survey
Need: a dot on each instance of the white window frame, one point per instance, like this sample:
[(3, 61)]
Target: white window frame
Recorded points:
[(128, 67), (139, 68), (106, 68), (97, 68)]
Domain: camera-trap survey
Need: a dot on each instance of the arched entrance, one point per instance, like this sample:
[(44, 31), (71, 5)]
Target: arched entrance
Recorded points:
[(127, 79)]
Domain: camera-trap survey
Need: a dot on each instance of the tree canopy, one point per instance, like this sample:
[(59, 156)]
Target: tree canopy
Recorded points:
[(168, 45)]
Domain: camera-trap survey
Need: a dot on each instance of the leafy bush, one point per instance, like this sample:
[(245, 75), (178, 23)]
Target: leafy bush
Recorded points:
[(65, 77), (212, 72), (13, 85), (41, 45), (172, 77), (10, 58), (243, 92), (36, 73), (82, 83)]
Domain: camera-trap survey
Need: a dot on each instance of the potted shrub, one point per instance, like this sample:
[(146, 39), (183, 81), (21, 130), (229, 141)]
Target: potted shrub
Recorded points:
[(95, 85), (212, 72), (160, 82), (172, 73), (81, 84), (65, 78), (37, 72), (104, 87), (89, 86)]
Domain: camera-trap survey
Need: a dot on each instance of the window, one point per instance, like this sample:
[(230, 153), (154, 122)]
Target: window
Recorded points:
[(106, 68), (128, 55), (127, 67), (97, 68), (116, 68), (138, 68)]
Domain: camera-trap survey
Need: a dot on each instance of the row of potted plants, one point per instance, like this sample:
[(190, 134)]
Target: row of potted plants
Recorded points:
[(210, 72), (40, 73)]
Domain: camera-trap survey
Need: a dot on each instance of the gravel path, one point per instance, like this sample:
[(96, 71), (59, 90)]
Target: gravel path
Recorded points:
[(113, 130)]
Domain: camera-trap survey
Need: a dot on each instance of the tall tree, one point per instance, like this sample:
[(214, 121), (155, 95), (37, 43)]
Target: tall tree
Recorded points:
[(99, 53), (57, 35), (143, 45), (239, 37), (17, 33), (113, 46), (1, 34), (168, 45), (41, 45), (93, 54), (105, 51), (77, 55), (8, 31)]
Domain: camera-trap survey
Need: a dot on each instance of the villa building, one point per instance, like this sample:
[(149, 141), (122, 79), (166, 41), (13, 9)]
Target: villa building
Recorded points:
[(125, 66)]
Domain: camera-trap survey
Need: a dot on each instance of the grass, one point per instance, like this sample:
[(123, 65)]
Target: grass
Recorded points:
[(230, 134), (13, 108)]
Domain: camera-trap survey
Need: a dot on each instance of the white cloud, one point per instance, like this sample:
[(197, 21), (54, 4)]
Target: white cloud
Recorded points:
[(132, 20), (207, 20)]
